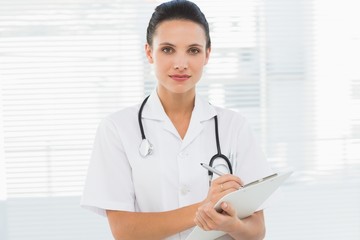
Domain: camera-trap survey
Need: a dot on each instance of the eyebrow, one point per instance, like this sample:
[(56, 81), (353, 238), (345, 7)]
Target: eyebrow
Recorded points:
[(172, 45)]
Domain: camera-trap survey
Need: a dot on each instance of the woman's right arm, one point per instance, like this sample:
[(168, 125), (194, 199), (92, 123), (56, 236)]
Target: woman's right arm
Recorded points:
[(151, 225), (159, 225)]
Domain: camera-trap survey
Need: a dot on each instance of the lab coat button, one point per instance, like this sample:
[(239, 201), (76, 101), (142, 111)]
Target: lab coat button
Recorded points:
[(184, 190), (183, 155)]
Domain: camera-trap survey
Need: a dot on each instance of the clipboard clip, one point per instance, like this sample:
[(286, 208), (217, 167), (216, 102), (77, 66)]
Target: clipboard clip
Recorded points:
[(260, 180)]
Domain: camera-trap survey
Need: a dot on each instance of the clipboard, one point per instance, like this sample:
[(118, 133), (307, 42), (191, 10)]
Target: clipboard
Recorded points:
[(246, 200)]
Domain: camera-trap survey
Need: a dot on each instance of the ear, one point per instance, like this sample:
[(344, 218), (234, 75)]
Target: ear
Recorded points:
[(207, 55), (149, 53)]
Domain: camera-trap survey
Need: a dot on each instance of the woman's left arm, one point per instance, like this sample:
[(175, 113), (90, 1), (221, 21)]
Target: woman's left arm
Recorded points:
[(250, 228)]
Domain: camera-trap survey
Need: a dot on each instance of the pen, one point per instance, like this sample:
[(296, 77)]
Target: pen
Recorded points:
[(211, 169)]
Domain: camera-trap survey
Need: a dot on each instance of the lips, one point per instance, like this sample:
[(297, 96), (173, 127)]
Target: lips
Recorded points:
[(180, 77)]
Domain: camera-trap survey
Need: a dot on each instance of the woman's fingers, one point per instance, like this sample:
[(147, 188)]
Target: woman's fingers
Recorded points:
[(228, 178), (226, 182), (223, 185), (202, 218)]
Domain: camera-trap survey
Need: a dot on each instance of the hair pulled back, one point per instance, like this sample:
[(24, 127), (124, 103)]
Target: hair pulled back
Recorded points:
[(177, 10)]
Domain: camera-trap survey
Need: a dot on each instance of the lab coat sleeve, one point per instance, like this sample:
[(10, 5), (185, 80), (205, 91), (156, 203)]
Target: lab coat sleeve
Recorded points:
[(108, 184)]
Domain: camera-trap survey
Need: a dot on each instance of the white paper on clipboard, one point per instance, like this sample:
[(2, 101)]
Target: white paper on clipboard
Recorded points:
[(246, 201)]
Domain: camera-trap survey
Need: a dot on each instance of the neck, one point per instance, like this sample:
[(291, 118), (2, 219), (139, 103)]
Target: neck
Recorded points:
[(179, 108), (175, 104)]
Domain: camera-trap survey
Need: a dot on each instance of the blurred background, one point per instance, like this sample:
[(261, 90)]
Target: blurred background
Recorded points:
[(290, 66)]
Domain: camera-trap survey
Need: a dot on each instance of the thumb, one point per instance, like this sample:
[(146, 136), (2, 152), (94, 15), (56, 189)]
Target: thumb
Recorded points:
[(228, 208)]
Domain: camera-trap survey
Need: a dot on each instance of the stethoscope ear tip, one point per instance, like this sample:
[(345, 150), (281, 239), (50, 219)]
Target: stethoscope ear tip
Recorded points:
[(145, 148)]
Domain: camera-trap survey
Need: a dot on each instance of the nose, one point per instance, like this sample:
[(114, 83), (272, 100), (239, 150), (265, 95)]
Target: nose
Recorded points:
[(181, 63)]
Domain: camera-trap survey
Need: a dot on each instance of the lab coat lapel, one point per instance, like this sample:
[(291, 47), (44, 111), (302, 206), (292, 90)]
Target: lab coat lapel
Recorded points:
[(154, 110), (203, 111)]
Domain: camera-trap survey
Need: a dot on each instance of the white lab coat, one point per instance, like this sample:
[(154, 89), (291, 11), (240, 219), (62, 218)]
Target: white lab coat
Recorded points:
[(171, 177)]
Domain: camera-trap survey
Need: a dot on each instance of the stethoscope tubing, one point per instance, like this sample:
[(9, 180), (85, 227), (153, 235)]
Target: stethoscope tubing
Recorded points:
[(146, 152), (140, 116)]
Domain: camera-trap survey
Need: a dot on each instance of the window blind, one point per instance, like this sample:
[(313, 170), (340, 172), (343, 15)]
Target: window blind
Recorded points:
[(288, 66), (65, 65)]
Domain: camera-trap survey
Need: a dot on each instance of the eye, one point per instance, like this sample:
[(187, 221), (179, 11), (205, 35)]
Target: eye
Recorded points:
[(194, 51), (167, 50)]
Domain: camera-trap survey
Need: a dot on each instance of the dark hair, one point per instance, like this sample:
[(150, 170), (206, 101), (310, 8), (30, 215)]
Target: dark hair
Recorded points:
[(177, 10)]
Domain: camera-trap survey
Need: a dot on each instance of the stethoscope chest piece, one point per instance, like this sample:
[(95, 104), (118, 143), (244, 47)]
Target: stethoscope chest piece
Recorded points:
[(145, 148)]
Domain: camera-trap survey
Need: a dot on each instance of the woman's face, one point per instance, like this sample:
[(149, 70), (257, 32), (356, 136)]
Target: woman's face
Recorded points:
[(179, 55)]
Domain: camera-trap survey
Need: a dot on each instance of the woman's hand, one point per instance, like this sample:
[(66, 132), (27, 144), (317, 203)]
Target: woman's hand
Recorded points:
[(222, 186), (206, 216), (226, 220), (209, 219), (250, 228)]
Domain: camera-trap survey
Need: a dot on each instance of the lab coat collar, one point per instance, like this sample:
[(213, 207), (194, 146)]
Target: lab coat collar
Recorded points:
[(202, 111), (154, 110)]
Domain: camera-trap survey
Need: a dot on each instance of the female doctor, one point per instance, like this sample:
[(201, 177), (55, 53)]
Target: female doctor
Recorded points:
[(159, 190)]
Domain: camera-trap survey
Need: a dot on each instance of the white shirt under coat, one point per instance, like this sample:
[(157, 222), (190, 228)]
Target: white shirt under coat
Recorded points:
[(119, 178)]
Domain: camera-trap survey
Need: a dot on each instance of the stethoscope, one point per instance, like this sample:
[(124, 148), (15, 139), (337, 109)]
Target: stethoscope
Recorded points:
[(146, 148)]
